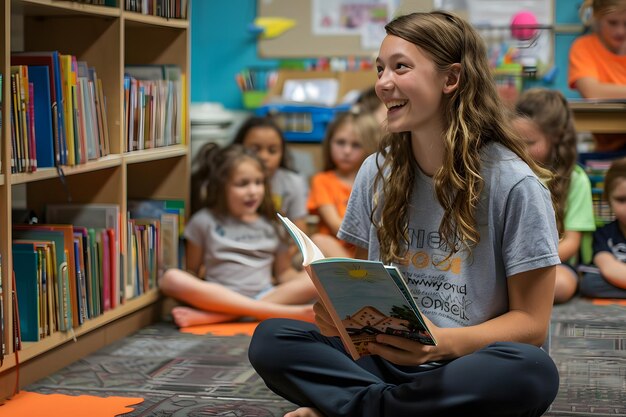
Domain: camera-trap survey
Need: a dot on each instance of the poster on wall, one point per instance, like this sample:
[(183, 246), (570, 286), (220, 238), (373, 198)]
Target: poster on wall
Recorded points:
[(365, 18)]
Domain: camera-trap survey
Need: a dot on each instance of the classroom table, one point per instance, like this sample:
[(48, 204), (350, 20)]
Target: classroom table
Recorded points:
[(599, 116)]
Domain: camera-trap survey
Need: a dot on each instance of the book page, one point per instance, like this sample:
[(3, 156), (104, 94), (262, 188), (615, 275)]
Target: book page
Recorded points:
[(397, 277), (310, 251)]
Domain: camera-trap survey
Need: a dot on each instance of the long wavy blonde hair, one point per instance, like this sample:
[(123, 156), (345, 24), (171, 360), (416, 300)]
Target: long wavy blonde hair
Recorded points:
[(473, 116), (549, 110)]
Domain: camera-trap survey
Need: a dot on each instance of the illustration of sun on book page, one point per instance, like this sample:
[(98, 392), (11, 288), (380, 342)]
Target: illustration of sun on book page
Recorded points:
[(368, 302)]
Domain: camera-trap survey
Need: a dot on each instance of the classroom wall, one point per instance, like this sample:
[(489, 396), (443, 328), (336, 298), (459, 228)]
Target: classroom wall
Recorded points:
[(221, 46)]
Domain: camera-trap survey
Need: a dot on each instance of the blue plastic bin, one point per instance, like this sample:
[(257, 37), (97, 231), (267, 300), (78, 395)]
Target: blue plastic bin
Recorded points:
[(302, 123)]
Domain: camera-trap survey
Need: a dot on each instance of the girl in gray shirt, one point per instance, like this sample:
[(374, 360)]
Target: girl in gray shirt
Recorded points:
[(234, 249), (455, 202)]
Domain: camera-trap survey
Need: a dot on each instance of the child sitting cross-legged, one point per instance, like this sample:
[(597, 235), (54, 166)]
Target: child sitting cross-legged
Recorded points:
[(234, 246), (609, 242)]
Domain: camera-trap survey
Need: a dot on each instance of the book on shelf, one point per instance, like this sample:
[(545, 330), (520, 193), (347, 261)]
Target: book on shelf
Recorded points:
[(143, 235), (52, 61), (26, 265), (57, 278), (170, 9), (153, 240), (1, 104), (15, 314), (21, 135), (76, 116), (101, 225), (363, 298), (3, 346), (153, 106), (40, 78), (67, 291), (171, 214)]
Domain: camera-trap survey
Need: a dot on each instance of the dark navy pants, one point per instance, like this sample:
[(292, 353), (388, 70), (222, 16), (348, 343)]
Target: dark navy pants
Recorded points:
[(308, 369), (594, 286)]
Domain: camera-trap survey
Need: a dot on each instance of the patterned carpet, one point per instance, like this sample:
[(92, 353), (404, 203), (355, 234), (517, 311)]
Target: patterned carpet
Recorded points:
[(182, 374)]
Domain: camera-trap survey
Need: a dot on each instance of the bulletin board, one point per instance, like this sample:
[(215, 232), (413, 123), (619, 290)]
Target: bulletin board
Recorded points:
[(301, 42)]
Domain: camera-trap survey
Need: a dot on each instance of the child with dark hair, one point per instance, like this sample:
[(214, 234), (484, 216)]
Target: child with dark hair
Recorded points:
[(609, 241), (368, 102), (288, 189), (233, 248)]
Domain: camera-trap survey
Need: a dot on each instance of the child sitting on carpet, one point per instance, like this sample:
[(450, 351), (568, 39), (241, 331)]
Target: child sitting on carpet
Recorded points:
[(547, 126), (234, 245), (289, 189), (350, 138), (609, 243)]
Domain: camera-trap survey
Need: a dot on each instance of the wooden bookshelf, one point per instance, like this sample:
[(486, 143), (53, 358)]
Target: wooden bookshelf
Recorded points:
[(108, 38)]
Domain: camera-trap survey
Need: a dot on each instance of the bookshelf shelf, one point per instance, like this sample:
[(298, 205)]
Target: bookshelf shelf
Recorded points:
[(33, 349), (138, 19), (62, 8), (47, 173), (108, 39), (154, 154)]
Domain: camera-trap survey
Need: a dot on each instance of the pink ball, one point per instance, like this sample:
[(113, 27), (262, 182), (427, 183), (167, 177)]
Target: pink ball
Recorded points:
[(520, 25)]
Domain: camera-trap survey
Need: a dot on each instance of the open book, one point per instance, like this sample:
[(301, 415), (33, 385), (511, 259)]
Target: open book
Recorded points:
[(364, 298)]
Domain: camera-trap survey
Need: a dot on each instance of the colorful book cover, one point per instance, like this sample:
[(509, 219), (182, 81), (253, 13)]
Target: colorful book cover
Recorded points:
[(51, 60), (362, 297), (39, 76), (25, 265)]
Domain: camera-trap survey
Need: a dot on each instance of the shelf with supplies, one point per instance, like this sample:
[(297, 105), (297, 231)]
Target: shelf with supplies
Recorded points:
[(303, 120), (64, 156)]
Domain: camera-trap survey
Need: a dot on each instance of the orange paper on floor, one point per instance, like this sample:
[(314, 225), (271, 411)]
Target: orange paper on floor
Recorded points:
[(222, 329), (608, 301), (32, 404)]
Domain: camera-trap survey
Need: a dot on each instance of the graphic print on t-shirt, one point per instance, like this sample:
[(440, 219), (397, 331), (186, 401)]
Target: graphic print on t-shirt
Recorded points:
[(431, 276), (618, 249)]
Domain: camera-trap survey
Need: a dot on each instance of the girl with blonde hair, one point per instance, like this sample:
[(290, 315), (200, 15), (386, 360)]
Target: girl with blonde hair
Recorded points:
[(349, 139)]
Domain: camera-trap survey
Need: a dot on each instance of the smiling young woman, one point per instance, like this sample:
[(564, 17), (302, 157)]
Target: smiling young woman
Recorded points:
[(455, 202)]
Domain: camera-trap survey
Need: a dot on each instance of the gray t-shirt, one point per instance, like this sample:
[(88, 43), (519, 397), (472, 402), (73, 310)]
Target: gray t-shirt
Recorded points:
[(290, 193), (237, 255), (517, 229)]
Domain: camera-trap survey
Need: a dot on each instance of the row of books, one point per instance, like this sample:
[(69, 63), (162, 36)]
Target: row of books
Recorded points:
[(70, 269), (110, 3), (58, 111), (63, 276), (171, 9), (154, 242), (153, 106)]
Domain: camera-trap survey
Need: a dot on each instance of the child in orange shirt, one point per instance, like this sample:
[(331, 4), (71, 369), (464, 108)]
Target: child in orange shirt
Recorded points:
[(350, 138), (597, 62)]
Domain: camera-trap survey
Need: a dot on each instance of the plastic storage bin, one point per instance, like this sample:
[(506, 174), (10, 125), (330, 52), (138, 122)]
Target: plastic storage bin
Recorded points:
[(302, 123)]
